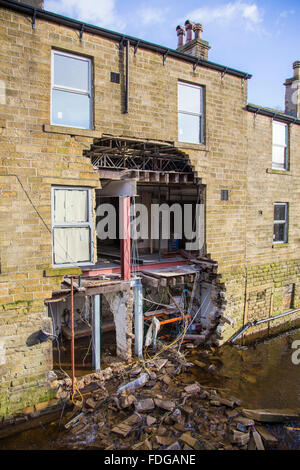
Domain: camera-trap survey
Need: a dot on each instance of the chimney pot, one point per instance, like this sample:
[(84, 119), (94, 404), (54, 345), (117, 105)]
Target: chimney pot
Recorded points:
[(292, 92), (198, 29), (296, 67), (189, 30), (34, 3), (180, 34), (196, 47)]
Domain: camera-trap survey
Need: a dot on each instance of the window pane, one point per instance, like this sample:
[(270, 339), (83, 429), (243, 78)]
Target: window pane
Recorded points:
[(279, 230), (71, 205), (189, 98), (279, 212), (279, 133), (70, 109), (278, 157), (71, 72), (71, 245), (188, 128)]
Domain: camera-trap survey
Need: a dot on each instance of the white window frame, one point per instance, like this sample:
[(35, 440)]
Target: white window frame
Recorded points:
[(200, 115), (283, 221), (89, 224), (286, 146), (77, 91)]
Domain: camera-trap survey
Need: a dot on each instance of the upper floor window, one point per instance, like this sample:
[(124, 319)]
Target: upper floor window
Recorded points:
[(71, 100), (72, 226), (190, 113), (280, 222), (280, 146)]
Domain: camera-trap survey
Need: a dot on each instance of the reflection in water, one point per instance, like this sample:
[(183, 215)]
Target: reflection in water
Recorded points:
[(262, 376)]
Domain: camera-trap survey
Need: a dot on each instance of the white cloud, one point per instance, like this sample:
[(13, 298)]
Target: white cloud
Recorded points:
[(97, 12), (150, 15), (286, 13), (247, 14)]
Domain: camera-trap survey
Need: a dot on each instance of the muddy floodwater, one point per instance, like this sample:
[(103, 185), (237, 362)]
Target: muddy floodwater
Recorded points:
[(260, 375)]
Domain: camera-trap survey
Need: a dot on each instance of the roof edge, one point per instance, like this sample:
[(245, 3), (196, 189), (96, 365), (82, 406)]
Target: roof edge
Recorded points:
[(280, 116), (88, 28)]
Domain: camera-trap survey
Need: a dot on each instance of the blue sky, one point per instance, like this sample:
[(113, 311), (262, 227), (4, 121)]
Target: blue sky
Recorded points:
[(260, 37)]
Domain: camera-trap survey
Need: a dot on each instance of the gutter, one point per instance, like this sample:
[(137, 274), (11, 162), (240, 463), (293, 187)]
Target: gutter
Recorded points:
[(88, 28), (259, 322), (273, 114)]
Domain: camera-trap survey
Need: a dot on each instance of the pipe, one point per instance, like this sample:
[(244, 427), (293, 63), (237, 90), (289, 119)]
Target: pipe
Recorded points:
[(159, 226), (127, 78), (72, 338), (259, 322), (138, 317), (75, 24)]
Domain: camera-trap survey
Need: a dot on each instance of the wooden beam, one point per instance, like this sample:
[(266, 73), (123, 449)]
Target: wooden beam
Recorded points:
[(120, 287), (148, 280)]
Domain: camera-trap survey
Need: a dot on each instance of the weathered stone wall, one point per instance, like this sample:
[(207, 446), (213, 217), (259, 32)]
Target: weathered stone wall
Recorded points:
[(36, 155), (31, 162)]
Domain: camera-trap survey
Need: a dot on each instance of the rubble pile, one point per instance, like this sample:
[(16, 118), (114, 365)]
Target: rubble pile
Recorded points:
[(147, 406)]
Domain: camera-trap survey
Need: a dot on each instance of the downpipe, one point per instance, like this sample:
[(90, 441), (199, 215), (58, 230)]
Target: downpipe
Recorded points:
[(259, 322)]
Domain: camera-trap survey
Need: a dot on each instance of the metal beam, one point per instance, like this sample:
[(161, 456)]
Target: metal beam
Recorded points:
[(119, 188), (97, 332), (138, 318)]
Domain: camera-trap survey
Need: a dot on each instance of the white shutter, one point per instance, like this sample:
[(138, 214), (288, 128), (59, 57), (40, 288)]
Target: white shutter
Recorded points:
[(59, 206), (71, 245), (72, 226), (76, 206)]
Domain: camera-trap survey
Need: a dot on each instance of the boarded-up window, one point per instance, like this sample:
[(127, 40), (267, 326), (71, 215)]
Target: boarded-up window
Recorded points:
[(280, 146), (72, 226)]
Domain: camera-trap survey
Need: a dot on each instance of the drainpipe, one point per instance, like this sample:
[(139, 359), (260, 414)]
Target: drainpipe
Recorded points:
[(72, 338), (159, 226), (127, 79), (138, 317), (260, 322), (97, 332)]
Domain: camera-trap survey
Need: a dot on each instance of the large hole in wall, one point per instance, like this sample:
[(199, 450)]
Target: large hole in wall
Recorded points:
[(206, 306), (60, 313)]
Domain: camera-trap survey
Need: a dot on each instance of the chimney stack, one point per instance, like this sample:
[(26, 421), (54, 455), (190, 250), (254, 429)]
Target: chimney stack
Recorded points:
[(292, 92), (194, 46), (34, 3)]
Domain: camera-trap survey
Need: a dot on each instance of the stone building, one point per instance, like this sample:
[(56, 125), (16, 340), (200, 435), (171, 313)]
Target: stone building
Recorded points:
[(88, 114)]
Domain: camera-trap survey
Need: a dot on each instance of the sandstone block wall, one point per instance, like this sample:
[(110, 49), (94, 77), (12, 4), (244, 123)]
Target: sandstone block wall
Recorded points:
[(36, 155)]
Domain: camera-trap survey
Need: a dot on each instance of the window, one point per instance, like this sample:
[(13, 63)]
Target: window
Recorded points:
[(280, 146), (72, 226), (190, 113), (280, 222), (71, 103)]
